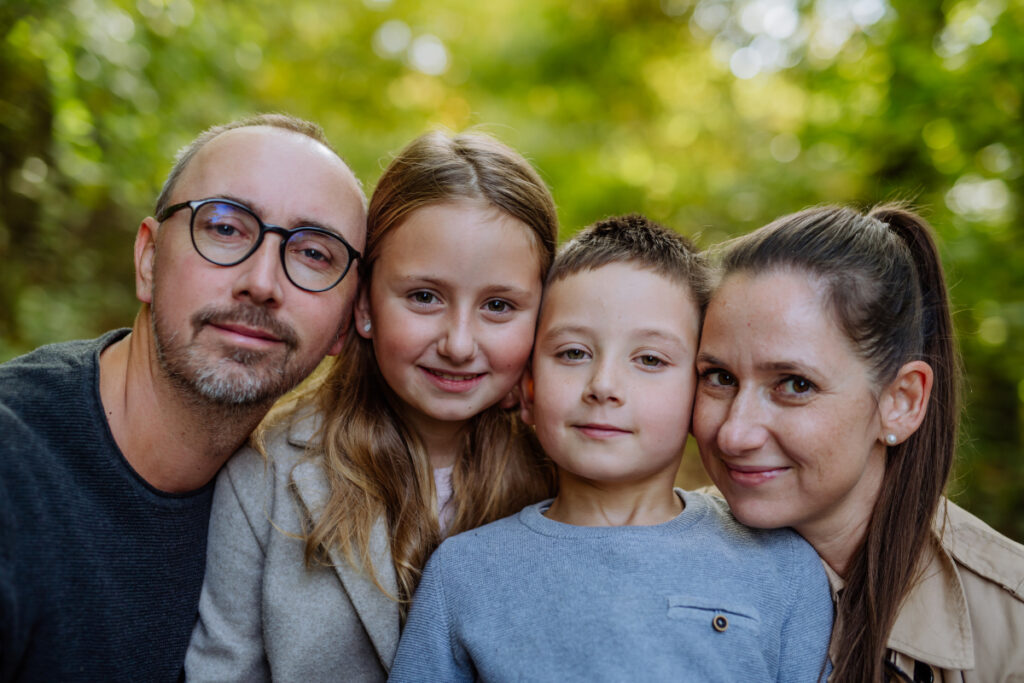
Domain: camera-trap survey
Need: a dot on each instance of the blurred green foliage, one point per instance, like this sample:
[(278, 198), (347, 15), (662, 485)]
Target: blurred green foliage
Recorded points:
[(713, 116)]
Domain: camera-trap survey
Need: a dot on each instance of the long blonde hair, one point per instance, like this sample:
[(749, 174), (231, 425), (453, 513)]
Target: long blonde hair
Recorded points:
[(376, 466)]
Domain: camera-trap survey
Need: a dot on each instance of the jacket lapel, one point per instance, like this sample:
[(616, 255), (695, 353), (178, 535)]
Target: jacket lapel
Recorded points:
[(378, 612)]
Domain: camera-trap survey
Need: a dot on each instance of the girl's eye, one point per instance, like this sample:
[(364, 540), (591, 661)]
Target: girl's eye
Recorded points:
[(717, 377), (423, 297), (651, 361), (796, 386), (498, 306), (573, 354)]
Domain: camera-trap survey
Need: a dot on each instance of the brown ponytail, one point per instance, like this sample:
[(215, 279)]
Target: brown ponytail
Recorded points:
[(887, 290)]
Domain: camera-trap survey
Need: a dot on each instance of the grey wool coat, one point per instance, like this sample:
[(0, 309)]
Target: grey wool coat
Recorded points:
[(262, 613)]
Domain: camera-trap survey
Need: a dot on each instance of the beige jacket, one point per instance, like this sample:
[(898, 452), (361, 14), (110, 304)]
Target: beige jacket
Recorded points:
[(964, 619)]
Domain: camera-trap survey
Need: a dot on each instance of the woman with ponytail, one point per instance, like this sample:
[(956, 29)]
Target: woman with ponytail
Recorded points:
[(828, 402)]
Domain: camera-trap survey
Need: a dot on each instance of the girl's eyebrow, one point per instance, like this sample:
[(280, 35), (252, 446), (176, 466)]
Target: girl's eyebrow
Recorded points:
[(442, 283)]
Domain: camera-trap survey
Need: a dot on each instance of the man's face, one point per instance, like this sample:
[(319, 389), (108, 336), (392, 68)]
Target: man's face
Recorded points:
[(244, 334)]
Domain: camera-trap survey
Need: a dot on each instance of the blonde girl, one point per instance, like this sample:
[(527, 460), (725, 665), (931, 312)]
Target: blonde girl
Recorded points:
[(315, 551)]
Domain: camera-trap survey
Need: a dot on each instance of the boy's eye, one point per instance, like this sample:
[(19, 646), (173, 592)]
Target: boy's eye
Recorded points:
[(573, 354)]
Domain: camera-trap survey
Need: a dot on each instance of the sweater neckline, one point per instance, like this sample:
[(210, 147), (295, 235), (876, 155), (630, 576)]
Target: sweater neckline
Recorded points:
[(695, 508)]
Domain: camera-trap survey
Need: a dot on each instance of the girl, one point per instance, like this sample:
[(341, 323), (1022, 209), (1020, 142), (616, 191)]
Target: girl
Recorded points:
[(315, 551), (828, 403)]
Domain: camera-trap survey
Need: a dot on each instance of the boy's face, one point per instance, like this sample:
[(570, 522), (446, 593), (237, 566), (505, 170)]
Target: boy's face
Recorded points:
[(613, 375)]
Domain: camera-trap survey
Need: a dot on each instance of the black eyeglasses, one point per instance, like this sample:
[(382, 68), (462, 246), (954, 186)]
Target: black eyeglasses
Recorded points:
[(226, 233)]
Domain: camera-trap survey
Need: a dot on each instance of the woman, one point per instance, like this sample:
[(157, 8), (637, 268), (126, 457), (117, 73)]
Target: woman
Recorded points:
[(315, 551), (828, 402)]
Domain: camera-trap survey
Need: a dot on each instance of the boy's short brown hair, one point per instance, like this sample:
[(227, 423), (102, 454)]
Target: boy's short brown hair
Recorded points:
[(638, 240)]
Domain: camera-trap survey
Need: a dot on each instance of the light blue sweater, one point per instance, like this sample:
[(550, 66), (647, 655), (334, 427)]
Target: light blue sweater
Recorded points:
[(698, 598)]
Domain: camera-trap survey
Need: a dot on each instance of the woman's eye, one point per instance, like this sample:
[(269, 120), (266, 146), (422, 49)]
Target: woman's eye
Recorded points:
[(718, 378), (796, 386), (498, 306)]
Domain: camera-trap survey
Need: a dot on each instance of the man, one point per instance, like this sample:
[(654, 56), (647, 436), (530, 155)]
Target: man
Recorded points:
[(108, 447)]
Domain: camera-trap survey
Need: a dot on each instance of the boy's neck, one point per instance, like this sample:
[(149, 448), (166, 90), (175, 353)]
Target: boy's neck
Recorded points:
[(587, 503)]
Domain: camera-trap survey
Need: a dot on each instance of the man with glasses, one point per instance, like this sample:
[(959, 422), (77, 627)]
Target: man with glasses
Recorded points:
[(108, 447)]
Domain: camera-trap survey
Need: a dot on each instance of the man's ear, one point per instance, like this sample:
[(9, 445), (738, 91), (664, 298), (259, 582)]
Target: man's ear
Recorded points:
[(361, 315), (145, 253), (526, 396), (904, 403)]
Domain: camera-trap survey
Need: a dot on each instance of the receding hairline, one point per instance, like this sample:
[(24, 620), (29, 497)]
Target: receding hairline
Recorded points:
[(262, 122)]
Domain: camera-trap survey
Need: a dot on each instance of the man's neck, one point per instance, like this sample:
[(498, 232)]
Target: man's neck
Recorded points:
[(174, 442)]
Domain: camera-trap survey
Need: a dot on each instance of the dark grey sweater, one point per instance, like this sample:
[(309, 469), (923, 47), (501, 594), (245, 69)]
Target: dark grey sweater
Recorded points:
[(99, 572)]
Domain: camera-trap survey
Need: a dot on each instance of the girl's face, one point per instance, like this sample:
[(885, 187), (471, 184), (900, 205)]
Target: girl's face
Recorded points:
[(452, 305), (785, 416)]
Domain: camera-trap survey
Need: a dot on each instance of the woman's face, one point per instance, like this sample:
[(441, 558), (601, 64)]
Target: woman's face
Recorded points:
[(785, 415), (452, 307)]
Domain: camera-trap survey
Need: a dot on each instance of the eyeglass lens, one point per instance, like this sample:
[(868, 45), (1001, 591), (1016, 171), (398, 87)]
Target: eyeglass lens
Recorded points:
[(225, 234)]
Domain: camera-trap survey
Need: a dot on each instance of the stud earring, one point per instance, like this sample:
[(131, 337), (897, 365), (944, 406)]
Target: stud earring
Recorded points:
[(366, 326), (890, 439)]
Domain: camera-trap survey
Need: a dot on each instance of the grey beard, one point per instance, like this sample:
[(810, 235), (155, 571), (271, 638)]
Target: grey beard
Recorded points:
[(241, 380)]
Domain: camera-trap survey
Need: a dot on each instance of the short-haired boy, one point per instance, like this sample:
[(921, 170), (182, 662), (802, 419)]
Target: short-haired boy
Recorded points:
[(620, 577)]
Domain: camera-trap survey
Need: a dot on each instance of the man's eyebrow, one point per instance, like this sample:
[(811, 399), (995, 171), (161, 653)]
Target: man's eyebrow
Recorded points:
[(299, 223)]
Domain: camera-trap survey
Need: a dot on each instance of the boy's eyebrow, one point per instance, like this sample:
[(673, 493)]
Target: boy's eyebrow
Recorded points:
[(654, 333), (559, 330)]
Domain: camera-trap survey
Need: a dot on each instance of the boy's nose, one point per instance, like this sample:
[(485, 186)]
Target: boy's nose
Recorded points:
[(603, 386)]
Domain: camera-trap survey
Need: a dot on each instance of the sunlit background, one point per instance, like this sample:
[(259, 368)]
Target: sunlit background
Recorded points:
[(712, 116)]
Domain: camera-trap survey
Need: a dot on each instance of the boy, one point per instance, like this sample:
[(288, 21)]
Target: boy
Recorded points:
[(620, 577)]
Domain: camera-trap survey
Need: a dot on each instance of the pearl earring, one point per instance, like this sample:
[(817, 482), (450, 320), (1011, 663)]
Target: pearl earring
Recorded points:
[(890, 439), (366, 326)]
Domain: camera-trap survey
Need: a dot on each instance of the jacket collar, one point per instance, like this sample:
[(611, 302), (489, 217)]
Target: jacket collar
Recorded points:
[(378, 612), (933, 625)]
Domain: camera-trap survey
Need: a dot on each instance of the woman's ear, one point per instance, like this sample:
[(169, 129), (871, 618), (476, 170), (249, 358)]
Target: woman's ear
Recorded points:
[(526, 396), (904, 402), (364, 325)]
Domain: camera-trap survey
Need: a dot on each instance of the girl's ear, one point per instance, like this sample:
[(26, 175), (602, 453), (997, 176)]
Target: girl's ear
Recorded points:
[(526, 396), (364, 325), (904, 402), (145, 251)]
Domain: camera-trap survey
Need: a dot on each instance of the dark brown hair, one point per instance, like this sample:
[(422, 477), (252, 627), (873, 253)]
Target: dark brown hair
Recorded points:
[(635, 239), (887, 292)]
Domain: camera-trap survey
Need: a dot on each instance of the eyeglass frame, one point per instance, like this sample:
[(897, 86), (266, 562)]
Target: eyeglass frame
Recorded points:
[(285, 233)]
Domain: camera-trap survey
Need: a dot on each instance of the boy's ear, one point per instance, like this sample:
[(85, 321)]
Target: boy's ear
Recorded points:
[(526, 396), (145, 252), (904, 403)]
